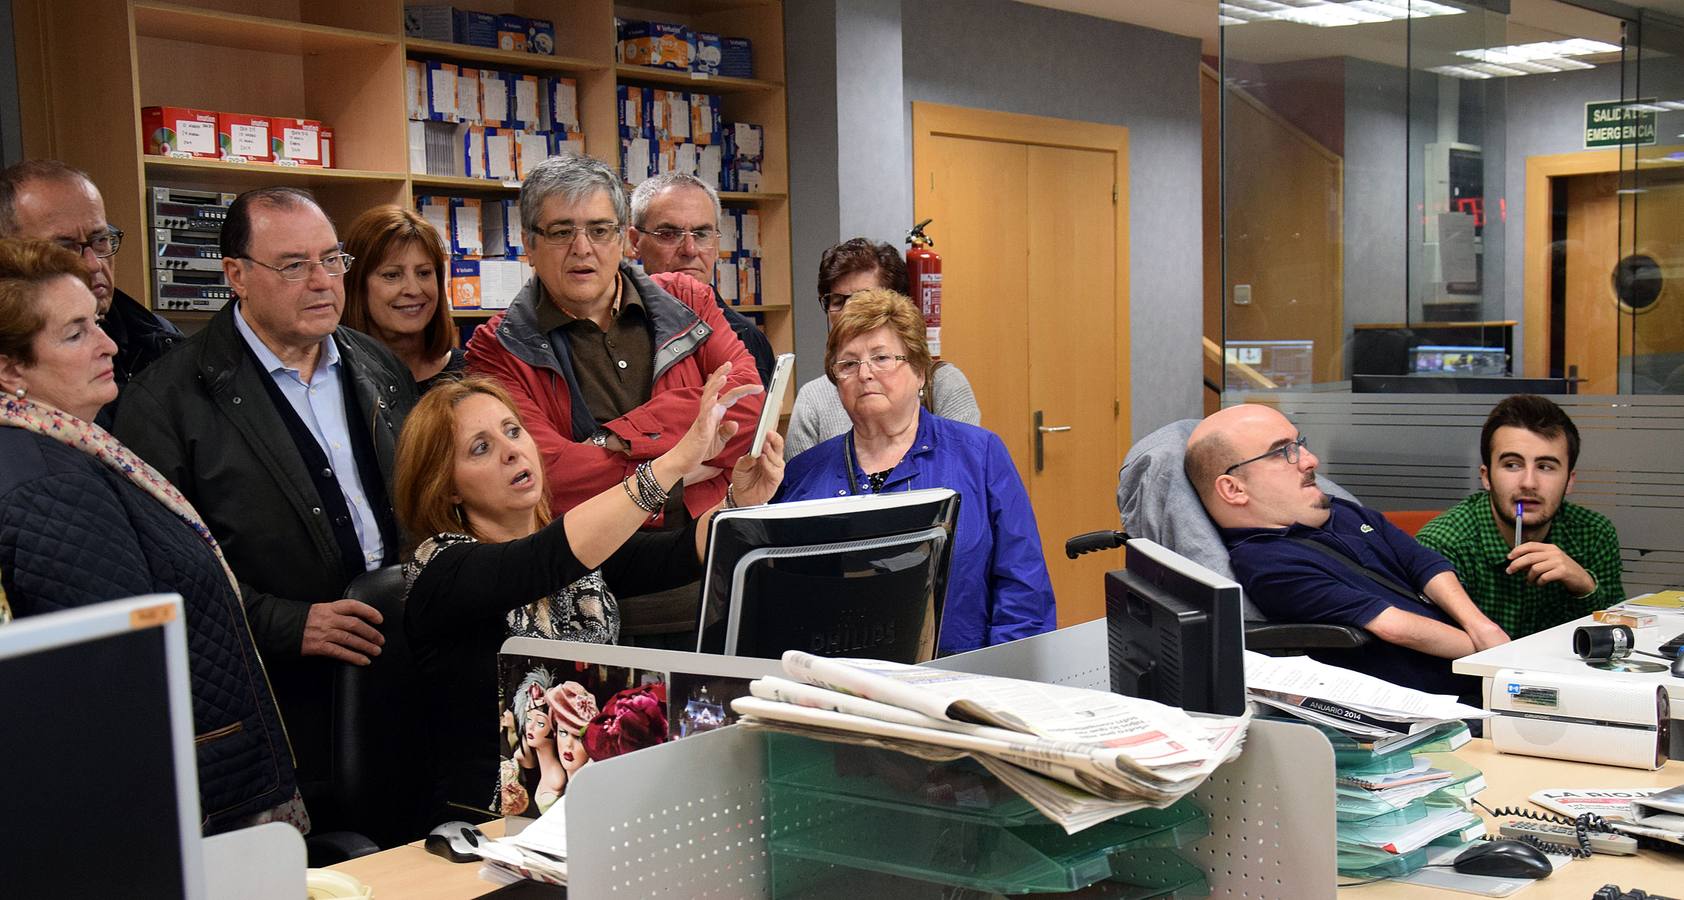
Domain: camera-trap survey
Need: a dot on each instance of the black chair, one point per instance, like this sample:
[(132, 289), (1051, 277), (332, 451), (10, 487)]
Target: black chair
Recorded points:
[(1272, 638), (383, 769)]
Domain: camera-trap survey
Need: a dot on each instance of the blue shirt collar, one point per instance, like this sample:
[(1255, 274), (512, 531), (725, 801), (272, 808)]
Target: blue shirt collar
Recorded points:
[(272, 363)]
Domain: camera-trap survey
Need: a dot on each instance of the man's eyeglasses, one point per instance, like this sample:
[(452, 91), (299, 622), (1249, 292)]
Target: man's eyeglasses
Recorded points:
[(1287, 451), (880, 363), (104, 245), (672, 237), (336, 265), (833, 302), (563, 235)]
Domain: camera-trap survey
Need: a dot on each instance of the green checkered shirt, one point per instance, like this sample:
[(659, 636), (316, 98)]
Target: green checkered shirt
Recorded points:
[(1467, 535)]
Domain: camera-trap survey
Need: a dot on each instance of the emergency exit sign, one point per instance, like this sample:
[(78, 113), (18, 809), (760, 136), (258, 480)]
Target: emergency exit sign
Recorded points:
[(1616, 123)]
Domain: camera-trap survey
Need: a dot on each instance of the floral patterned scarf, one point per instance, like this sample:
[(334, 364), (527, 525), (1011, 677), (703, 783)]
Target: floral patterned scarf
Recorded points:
[(95, 441)]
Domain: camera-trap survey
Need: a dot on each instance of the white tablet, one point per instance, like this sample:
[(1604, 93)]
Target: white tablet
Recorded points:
[(774, 402)]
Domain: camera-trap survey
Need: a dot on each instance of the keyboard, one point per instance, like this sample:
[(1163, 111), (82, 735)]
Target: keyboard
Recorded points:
[(1613, 892)]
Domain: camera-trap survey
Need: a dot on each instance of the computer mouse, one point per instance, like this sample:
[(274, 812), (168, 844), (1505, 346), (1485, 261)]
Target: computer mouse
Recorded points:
[(1507, 859), (456, 841)]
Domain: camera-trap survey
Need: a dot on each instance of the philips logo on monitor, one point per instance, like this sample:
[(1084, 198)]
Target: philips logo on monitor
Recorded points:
[(852, 637)]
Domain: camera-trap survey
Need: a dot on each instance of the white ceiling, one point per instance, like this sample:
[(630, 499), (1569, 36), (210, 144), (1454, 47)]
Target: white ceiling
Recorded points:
[(1197, 18)]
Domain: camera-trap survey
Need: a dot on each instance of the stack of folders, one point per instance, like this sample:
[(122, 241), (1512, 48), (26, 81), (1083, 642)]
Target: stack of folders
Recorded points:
[(1398, 789)]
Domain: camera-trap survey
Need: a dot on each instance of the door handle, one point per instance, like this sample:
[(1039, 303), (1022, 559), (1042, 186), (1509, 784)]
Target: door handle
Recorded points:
[(1041, 432)]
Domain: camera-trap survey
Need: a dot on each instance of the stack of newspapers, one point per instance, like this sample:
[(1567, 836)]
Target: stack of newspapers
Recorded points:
[(1082, 757), (1366, 708), (1395, 798)]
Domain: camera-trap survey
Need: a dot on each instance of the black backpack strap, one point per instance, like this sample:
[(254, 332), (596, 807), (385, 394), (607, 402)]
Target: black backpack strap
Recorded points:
[(1382, 580)]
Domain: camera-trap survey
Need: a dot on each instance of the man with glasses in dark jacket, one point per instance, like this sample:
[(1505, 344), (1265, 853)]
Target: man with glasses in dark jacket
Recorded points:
[(279, 425), (46, 200)]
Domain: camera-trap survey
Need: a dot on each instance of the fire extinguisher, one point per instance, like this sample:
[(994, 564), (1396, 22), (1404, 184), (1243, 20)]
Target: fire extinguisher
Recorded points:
[(923, 268)]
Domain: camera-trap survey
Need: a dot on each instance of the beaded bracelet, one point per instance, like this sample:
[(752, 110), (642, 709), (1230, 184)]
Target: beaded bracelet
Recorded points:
[(649, 486), (730, 496), (648, 496)]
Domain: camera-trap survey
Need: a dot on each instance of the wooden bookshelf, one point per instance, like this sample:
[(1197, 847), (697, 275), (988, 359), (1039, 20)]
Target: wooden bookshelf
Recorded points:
[(342, 62), (707, 84)]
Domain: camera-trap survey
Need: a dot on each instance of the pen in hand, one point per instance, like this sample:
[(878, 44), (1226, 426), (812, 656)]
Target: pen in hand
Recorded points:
[(1519, 515)]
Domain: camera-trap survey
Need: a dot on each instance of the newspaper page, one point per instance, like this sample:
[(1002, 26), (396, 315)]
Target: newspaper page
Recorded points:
[(1616, 805), (1365, 695), (1139, 733)]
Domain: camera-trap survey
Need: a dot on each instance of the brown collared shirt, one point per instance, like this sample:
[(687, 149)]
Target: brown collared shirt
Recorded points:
[(615, 369)]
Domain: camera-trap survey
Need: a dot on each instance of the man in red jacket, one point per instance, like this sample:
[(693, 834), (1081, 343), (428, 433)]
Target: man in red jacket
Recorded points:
[(607, 364)]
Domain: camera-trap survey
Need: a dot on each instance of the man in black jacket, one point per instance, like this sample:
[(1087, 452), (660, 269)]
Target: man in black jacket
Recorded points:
[(675, 228), (46, 200), (279, 426)]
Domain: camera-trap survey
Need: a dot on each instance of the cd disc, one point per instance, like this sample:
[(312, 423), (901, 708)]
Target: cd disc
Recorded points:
[(1627, 665)]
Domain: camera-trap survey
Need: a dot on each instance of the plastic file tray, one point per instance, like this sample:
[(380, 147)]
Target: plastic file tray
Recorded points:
[(1347, 753), (1354, 804), (1359, 862), (961, 787), (1150, 875), (864, 808)]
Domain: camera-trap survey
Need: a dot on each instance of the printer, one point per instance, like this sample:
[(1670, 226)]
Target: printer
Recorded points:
[(1588, 718)]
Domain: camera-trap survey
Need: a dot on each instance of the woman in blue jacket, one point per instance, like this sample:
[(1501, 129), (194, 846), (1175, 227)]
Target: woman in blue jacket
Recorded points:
[(876, 355)]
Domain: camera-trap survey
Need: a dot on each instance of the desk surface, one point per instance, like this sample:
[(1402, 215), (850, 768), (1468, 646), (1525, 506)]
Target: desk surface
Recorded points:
[(1551, 650), (1511, 780), (411, 872)]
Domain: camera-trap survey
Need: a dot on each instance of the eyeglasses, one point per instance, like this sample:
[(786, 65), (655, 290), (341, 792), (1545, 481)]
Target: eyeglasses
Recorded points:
[(335, 265), (672, 237), (563, 235), (1287, 451), (104, 245), (881, 364), (833, 302)]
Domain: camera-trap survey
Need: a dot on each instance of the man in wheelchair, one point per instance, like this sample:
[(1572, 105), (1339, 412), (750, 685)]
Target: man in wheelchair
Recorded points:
[(1303, 556)]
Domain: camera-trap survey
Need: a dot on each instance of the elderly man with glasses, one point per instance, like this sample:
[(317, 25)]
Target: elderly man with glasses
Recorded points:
[(1303, 556), (675, 228), (607, 363), (46, 200), (279, 426)]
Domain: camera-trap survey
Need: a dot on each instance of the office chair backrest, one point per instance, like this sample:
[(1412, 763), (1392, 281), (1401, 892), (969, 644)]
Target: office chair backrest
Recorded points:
[(382, 762), (1158, 503)]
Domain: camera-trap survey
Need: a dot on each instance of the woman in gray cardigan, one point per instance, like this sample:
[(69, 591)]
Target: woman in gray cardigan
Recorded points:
[(846, 269)]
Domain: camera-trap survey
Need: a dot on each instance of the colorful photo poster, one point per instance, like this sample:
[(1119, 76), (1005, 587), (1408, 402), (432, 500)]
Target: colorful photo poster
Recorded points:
[(559, 715)]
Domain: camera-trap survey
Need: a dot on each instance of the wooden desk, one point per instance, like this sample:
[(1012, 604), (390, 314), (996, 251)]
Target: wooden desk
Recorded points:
[(411, 873), (1511, 780)]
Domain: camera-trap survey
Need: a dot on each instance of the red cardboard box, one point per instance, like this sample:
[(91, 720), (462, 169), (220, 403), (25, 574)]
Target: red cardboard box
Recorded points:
[(296, 142), (178, 131), (327, 146), (242, 138)]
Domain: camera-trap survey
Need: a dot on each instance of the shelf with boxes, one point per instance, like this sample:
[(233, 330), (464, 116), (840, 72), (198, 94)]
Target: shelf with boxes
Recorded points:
[(343, 65), (212, 27)]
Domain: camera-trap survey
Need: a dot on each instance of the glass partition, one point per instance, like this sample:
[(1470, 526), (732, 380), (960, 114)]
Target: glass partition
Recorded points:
[(1433, 196), (1645, 281)]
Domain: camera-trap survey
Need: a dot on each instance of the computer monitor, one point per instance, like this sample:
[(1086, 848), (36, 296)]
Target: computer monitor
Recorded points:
[(98, 782), (1176, 632), (861, 576)]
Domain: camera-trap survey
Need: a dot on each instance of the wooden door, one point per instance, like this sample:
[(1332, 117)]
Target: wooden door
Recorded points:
[(1590, 338), (1030, 219)]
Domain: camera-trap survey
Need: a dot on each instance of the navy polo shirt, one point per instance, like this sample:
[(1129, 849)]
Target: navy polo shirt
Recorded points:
[(1289, 582)]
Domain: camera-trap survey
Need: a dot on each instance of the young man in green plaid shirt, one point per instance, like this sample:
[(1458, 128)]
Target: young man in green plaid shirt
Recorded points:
[(1565, 561)]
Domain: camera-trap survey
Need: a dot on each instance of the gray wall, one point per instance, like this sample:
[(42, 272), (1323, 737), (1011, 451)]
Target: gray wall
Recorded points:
[(1010, 57), (851, 174), (847, 143), (1376, 195)]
